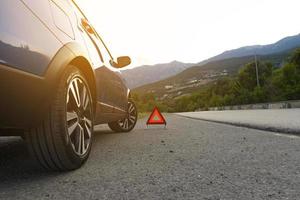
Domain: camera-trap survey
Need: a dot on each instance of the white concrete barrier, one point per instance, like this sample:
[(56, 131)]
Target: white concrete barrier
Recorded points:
[(273, 105)]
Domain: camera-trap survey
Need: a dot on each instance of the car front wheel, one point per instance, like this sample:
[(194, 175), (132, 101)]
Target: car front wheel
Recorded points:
[(128, 123), (63, 141)]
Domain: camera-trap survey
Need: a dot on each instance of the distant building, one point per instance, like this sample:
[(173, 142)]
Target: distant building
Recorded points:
[(168, 87), (193, 81), (224, 73)]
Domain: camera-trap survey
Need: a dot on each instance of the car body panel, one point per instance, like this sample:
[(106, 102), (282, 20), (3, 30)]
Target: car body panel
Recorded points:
[(27, 96), (22, 39), (46, 37)]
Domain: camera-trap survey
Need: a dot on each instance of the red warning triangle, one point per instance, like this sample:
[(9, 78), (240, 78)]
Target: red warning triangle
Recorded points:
[(156, 117)]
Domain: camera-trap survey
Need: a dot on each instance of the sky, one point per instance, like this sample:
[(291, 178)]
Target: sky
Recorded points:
[(161, 31)]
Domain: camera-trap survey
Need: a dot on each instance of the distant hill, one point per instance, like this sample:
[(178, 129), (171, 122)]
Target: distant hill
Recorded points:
[(230, 60), (151, 73), (194, 77), (280, 46)]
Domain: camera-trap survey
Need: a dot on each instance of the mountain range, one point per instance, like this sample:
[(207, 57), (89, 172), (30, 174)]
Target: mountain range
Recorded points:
[(197, 76), (280, 46), (148, 74)]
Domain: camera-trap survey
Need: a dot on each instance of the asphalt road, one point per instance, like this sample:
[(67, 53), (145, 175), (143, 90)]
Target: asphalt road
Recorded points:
[(191, 159)]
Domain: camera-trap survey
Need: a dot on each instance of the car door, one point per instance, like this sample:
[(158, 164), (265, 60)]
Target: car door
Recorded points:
[(116, 88), (89, 41)]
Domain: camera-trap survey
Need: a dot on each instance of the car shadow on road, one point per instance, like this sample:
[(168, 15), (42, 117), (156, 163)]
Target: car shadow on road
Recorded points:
[(17, 167)]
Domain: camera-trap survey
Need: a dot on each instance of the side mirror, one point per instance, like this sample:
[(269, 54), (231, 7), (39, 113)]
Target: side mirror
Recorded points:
[(122, 61)]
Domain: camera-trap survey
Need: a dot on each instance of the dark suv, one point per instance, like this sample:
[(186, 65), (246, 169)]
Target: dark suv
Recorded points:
[(58, 80)]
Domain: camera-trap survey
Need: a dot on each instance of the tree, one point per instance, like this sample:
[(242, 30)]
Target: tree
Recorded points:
[(295, 58), (247, 75)]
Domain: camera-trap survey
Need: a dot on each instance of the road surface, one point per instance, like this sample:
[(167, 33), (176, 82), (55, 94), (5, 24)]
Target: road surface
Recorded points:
[(191, 159)]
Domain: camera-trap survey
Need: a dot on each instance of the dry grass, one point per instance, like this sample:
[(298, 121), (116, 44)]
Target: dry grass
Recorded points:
[(143, 115)]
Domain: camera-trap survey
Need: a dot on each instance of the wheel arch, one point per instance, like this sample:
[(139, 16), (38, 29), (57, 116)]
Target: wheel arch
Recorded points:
[(84, 66), (71, 54)]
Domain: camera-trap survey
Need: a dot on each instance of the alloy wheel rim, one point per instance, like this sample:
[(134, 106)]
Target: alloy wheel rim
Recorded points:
[(129, 121), (79, 116)]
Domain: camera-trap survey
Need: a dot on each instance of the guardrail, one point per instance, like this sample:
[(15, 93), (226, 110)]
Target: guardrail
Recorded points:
[(273, 105)]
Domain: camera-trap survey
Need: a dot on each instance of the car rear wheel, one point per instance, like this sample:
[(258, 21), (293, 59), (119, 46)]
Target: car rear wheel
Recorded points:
[(63, 141), (128, 123)]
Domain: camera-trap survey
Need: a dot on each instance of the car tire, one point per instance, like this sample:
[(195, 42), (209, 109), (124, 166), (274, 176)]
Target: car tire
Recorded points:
[(63, 141), (129, 122)]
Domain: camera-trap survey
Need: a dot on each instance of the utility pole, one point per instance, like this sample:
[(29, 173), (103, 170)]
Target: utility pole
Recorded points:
[(256, 67)]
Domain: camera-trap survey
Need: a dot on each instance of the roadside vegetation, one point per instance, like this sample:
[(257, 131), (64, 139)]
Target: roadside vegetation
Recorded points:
[(275, 84)]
